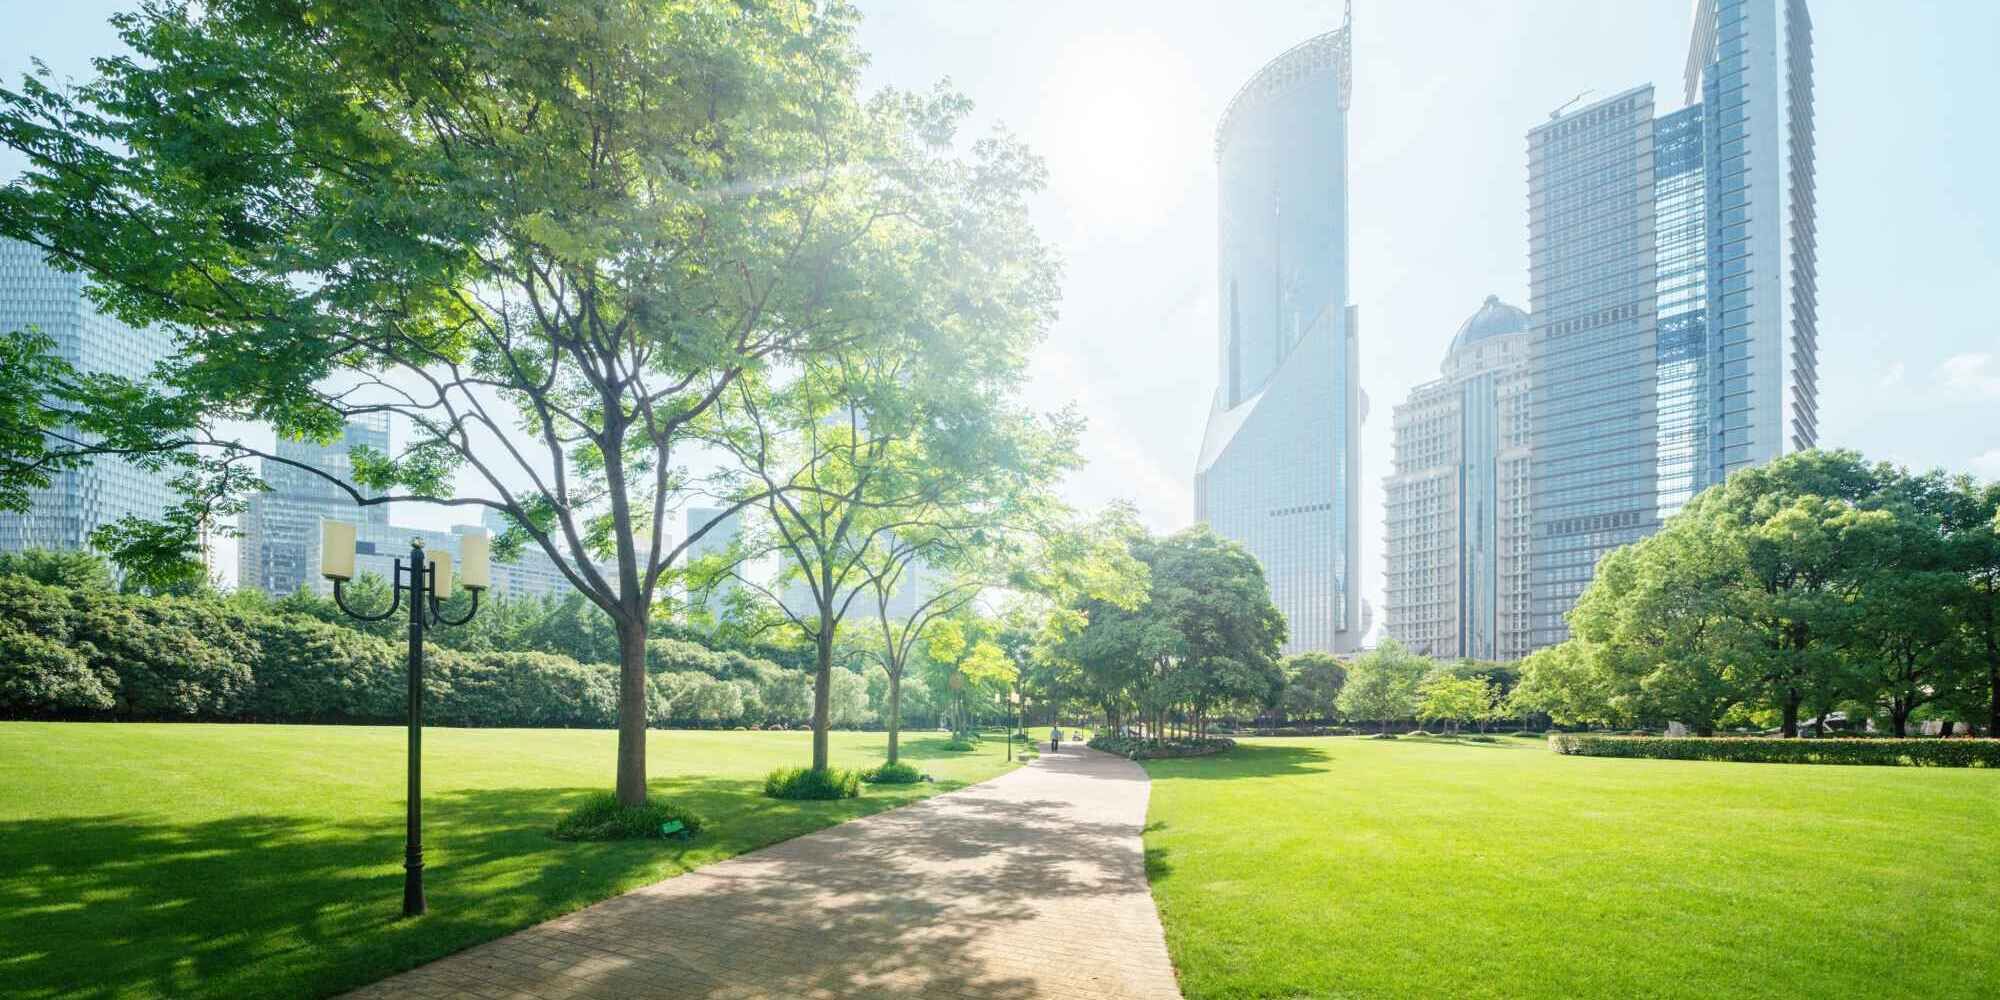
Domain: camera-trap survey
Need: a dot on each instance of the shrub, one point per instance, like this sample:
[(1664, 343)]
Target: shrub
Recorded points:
[(898, 773), (309, 671), (525, 689), (1143, 749), (1764, 750), (173, 659), (960, 744), (603, 817), (40, 677), (806, 783)]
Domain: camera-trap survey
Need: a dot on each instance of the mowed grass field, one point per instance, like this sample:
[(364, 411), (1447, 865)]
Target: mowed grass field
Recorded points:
[(1349, 867), (233, 860)]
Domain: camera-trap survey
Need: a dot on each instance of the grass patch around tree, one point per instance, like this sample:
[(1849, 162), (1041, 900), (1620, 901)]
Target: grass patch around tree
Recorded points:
[(193, 860), (1357, 868)]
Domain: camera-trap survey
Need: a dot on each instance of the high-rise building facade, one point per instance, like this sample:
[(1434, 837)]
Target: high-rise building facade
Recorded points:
[(1279, 470), (76, 502), (277, 547), (721, 528), (1457, 500), (1673, 286)]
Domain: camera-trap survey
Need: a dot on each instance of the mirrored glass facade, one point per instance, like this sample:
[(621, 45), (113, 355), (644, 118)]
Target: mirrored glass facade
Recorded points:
[(277, 551), (1673, 283), (34, 294), (1280, 462)]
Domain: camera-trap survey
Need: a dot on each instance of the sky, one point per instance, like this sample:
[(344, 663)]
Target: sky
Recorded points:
[(1121, 98)]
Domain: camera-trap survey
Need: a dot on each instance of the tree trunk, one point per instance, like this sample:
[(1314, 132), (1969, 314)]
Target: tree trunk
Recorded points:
[(1819, 725), (823, 693), (1792, 699), (632, 712), (1993, 687), (1949, 726), (895, 711), (1899, 716)]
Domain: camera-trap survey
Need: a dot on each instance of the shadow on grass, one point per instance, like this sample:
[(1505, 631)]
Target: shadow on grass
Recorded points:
[(1470, 741), (274, 905)]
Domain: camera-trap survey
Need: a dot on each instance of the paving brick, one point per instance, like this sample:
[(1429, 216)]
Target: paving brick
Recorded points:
[(1031, 885)]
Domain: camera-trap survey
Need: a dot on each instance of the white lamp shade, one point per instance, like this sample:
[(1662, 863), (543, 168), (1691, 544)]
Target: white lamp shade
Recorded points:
[(475, 560), (440, 560), (336, 550)]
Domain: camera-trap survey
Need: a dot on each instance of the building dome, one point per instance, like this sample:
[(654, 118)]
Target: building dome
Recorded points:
[(1494, 319)]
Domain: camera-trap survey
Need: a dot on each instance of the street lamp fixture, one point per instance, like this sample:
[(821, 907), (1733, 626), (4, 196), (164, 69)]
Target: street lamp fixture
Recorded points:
[(428, 578)]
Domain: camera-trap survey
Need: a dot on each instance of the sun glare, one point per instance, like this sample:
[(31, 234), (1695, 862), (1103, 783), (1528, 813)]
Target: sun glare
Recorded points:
[(1118, 126)]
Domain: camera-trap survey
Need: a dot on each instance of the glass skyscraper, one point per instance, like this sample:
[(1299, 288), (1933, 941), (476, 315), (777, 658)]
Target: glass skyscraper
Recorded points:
[(1673, 285), (278, 549), (1279, 468), (76, 502), (1457, 500)]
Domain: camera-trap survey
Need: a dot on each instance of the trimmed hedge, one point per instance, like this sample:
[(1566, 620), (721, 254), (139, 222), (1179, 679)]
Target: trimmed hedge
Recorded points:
[(87, 654), (1766, 750), (1143, 749)]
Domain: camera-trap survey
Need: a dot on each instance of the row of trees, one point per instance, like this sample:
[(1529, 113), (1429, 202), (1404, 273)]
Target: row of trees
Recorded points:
[(600, 258), (1816, 584), (1199, 641)]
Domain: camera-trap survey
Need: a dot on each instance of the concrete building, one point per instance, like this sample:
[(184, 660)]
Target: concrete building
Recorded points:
[(36, 295), (1457, 500), (1279, 468), (1673, 286), (277, 550)]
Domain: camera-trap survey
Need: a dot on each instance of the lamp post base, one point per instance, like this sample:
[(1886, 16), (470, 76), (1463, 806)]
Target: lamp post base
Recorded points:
[(413, 889)]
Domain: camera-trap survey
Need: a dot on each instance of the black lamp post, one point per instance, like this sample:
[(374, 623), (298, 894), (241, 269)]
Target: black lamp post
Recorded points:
[(428, 580)]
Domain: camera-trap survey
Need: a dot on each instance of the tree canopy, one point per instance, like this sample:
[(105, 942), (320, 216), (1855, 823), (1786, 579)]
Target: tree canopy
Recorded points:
[(558, 242)]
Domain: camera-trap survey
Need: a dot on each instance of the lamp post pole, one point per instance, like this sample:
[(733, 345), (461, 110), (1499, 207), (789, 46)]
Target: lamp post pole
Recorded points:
[(414, 903), (421, 577)]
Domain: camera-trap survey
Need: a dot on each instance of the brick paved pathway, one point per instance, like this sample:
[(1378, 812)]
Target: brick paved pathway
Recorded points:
[(1029, 885)]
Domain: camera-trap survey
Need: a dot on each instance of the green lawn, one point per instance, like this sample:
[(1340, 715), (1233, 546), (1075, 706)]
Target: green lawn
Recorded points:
[(225, 860), (1362, 868)]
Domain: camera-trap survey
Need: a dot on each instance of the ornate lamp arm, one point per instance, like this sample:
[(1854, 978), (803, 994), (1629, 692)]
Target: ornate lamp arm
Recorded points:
[(439, 618), (341, 601)]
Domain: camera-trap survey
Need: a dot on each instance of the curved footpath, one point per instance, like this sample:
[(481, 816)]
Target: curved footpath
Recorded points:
[(1032, 884)]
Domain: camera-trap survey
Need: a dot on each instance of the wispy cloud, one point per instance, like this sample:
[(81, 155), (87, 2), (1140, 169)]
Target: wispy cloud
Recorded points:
[(1971, 375)]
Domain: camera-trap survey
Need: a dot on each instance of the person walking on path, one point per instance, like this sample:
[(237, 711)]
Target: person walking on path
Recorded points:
[(1055, 739)]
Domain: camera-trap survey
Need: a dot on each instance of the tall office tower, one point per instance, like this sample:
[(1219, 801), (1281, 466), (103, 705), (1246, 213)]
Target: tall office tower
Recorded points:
[(277, 552), (1673, 276), (1457, 506), (1279, 469), (724, 527), (76, 502)]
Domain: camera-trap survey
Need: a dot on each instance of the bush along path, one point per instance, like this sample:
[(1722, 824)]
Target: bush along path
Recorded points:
[(1032, 884)]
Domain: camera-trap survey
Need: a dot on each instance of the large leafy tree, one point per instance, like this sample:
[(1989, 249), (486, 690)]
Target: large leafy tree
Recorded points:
[(860, 459), (1382, 684), (1312, 685), (548, 237), (1971, 520)]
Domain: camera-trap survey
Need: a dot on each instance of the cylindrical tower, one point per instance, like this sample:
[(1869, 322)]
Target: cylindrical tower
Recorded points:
[(1280, 462)]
